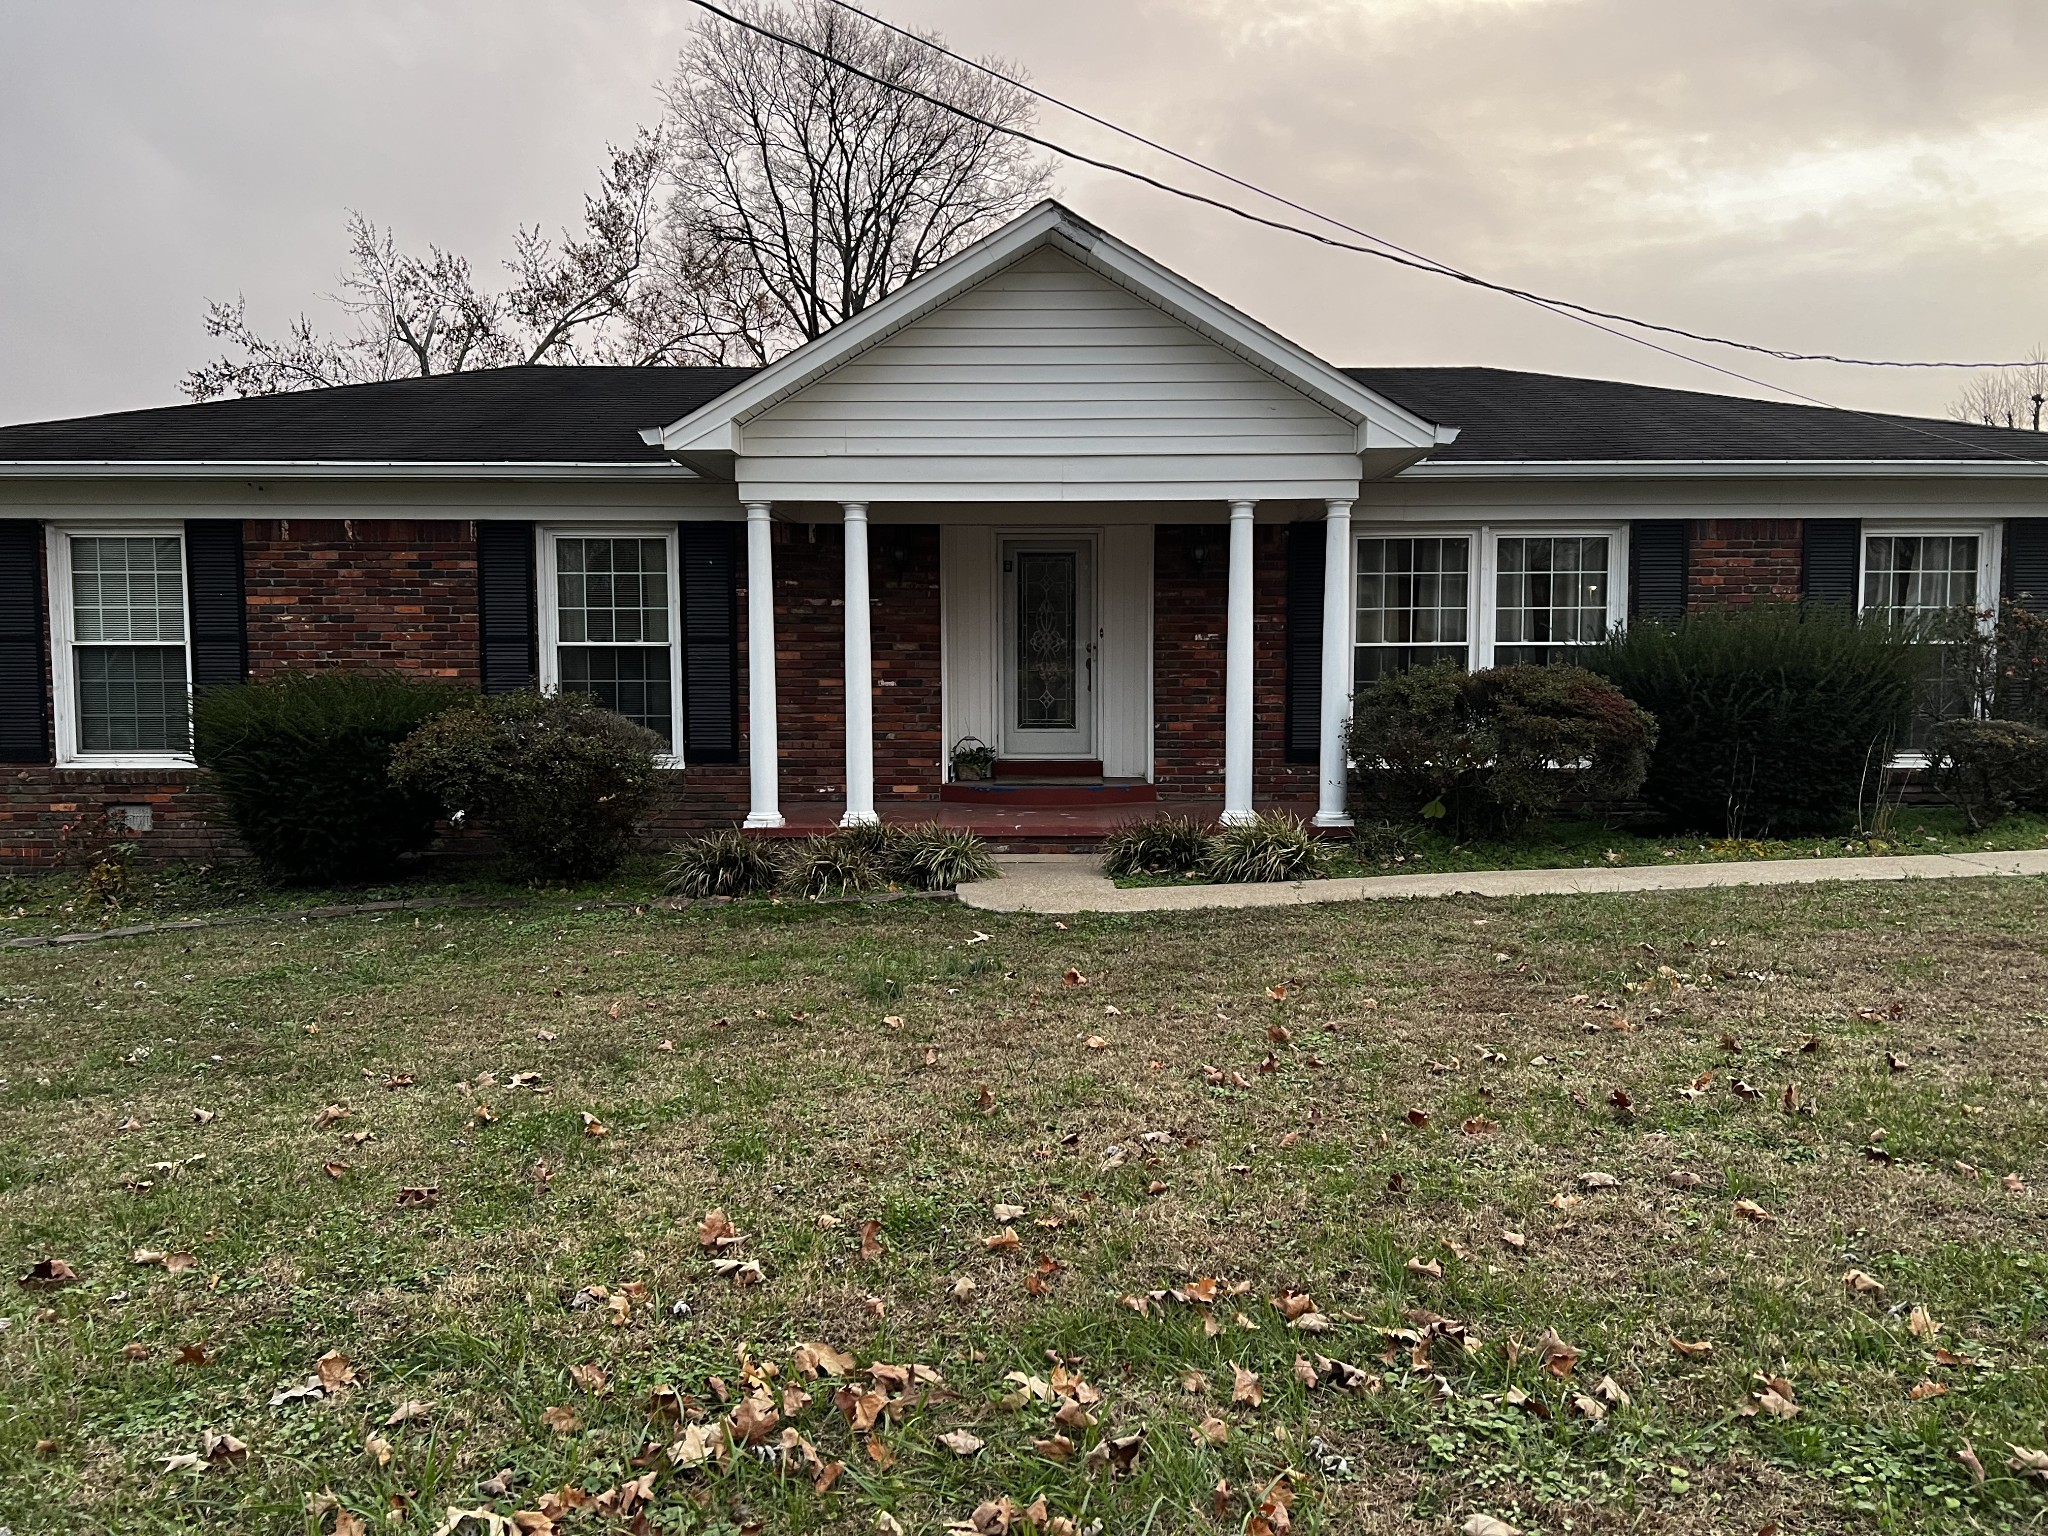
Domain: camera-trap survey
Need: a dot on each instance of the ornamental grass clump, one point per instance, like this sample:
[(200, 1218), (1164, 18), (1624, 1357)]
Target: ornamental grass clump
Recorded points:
[(1275, 846), (834, 864), (304, 765), (560, 779), (1160, 845), (727, 863), (1770, 718), (936, 858)]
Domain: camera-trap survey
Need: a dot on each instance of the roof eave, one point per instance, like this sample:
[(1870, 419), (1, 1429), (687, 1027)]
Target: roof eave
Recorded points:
[(337, 469), (1724, 469)]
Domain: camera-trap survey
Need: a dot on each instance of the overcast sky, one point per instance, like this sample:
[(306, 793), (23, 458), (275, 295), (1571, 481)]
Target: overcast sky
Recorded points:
[(1861, 176)]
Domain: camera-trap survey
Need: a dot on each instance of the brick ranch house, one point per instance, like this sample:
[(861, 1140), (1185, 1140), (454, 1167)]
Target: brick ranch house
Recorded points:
[(1049, 496)]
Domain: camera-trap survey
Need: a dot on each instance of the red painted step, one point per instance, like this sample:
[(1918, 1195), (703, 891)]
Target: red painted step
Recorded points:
[(1048, 768), (1050, 792)]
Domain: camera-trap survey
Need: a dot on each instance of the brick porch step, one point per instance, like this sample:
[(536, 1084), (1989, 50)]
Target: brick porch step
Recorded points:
[(1051, 791)]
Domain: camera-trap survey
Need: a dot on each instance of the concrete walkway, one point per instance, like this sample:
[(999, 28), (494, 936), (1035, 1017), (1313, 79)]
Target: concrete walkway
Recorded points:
[(1067, 882)]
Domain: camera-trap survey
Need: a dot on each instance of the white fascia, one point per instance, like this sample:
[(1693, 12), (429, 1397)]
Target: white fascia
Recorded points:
[(331, 469), (714, 427), (1727, 469)]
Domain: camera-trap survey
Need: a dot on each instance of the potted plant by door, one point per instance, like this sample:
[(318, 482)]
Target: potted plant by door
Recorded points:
[(974, 761)]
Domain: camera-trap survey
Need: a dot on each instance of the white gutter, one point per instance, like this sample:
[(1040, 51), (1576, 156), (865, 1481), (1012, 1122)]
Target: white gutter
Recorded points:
[(333, 469), (1726, 469)]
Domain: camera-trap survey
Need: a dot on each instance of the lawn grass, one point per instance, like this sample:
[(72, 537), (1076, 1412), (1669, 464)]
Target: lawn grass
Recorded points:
[(747, 1058), (1581, 842)]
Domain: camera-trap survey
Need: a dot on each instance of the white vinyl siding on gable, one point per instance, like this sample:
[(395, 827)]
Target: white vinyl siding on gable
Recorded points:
[(1048, 381)]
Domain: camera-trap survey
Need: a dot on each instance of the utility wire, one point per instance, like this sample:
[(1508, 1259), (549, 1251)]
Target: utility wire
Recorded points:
[(1430, 263), (1397, 257)]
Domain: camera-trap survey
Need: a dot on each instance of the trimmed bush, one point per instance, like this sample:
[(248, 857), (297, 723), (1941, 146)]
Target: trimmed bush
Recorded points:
[(1273, 847), (1991, 768), (1483, 752), (1162, 845), (303, 763), (936, 858), (1771, 717), (727, 863), (558, 777), (841, 863)]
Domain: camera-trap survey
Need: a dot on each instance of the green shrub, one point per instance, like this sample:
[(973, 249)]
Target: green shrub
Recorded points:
[(1273, 847), (936, 858), (303, 763), (1770, 718), (727, 863), (558, 777), (1991, 768), (1161, 845), (1386, 842), (1485, 751), (843, 863)]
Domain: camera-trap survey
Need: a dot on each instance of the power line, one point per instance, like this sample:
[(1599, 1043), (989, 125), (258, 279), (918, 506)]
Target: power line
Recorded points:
[(1420, 264), (1441, 268)]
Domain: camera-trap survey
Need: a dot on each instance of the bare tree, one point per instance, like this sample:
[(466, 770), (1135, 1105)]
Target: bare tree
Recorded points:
[(828, 191), (2005, 397), (782, 194), (608, 294)]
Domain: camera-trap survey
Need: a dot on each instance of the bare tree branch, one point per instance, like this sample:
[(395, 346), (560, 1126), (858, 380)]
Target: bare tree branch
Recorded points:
[(2008, 397)]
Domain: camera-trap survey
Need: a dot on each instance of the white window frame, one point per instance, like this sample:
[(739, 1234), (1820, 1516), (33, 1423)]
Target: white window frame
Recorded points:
[(63, 633), (548, 610), (1482, 590), (1616, 534), (1990, 558)]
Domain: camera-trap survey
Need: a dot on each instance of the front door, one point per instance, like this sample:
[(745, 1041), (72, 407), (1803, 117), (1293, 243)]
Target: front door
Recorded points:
[(1048, 683)]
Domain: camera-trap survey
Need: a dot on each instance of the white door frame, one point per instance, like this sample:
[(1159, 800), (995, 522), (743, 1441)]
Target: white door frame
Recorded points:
[(1084, 742)]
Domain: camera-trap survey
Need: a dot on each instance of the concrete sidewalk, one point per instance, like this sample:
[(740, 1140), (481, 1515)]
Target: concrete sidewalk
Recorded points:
[(1067, 882)]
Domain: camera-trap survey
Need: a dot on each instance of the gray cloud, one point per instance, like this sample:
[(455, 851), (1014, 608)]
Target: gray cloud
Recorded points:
[(1841, 175)]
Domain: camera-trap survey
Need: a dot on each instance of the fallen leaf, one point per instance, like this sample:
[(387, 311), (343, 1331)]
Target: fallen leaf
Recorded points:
[(1749, 1210), (204, 1116), (1556, 1356), (1486, 1525), (1055, 1447), (591, 1378), (335, 1370), (1096, 1043), (1921, 1324), (1694, 1351), (1245, 1386), (1074, 978), (593, 1127), (378, 1449), (2028, 1463), (413, 1198), (1418, 1118), (1598, 1180), (407, 1411), (1211, 1431), (334, 1170), (1863, 1284), (716, 1233), (871, 1245), (1419, 1266), (48, 1275), (330, 1114), (961, 1443), (561, 1420)]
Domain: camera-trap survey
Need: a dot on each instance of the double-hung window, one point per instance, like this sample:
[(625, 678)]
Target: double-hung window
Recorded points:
[(120, 659), (609, 624), (1414, 604), (1484, 596), (1552, 595), (1913, 576)]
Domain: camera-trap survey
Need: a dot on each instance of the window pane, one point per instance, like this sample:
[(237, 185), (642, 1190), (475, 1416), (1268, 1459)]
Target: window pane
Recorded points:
[(630, 680), (612, 591), (126, 590), (1908, 575), (1413, 599), (132, 698), (1551, 595)]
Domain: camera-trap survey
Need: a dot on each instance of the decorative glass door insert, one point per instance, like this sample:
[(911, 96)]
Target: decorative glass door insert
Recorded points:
[(1048, 648)]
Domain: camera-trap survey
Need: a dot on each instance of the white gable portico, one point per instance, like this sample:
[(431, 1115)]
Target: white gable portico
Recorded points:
[(1046, 397)]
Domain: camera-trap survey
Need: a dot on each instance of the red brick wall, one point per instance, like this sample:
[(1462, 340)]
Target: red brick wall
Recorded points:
[(371, 592), (1738, 560), (37, 804), (1190, 606), (810, 684)]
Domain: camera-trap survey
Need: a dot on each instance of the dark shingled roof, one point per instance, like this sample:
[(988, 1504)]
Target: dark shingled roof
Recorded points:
[(1505, 415), (534, 415), (595, 415)]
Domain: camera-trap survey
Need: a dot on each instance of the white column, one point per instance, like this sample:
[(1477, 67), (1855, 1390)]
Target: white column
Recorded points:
[(764, 769), (1238, 672), (1330, 811), (860, 678)]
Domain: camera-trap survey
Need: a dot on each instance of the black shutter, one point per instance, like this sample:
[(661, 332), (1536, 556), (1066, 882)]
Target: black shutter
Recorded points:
[(213, 591), (24, 719), (1829, 560), (2026, 563), (506, 629), (1307, 545), (1657, 569), (708, 556)]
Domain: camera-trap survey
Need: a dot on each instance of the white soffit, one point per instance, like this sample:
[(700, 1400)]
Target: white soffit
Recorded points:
[(1382, 425)]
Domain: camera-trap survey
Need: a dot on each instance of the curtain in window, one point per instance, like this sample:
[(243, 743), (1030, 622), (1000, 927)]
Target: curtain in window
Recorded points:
[(128, 644), (1551, 596), (613, 627), (1414, 598)]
